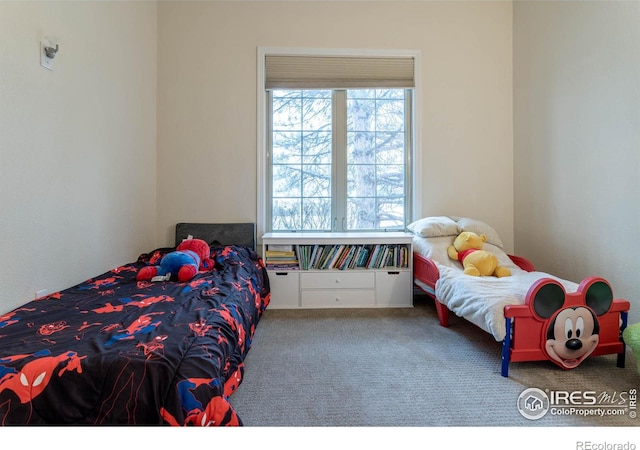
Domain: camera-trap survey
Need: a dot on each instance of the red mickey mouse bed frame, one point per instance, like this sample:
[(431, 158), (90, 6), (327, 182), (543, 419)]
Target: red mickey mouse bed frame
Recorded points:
[(545, 326)]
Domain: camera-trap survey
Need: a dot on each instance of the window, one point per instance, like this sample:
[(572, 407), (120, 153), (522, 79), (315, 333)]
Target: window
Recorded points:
[(339, 150)]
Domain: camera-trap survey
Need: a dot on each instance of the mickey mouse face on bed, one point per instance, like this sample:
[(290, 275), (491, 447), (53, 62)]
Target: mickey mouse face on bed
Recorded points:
[(571, 330)]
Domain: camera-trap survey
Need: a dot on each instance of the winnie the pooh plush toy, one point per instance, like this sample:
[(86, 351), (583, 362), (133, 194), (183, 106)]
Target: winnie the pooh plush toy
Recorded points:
[(467, 248), (191, 256)]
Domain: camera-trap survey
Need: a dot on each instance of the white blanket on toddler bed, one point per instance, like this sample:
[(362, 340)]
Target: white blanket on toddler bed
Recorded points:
[(480, 300)]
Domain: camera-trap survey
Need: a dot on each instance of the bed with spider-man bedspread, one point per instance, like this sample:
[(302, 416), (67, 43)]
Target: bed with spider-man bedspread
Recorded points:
[(113, 350)]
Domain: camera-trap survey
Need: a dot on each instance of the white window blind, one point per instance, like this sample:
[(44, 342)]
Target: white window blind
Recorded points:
[(338, 72)]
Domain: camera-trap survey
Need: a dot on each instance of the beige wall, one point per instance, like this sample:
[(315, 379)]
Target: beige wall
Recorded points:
[(77, 144), (577, 140), (207, 99)]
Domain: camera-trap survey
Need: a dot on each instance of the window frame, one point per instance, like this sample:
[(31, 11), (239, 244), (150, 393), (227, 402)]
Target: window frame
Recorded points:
[(413, 159)]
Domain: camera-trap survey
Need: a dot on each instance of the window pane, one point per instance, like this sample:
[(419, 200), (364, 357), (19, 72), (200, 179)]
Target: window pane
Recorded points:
[(361, 93), (390, 181), (286, 214), (390, 115), (287, 110), (316, 180), (389, 148), (316, 197), (376, 93), (391, 213), (301, 163), (316, 214), (286, 181), (361, 213), (375, 213), (361, 148), (316, 114), (361, 115), (287, 147), (375, 159), (317, 147), (361, 180), (390, 93)]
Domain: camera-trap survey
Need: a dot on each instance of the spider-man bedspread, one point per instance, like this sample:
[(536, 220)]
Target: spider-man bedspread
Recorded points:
[(115, 351)]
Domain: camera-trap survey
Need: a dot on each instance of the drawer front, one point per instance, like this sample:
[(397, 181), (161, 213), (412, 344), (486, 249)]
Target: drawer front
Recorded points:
[(336, 298), (338, 280), (284, 289), (394, 289)]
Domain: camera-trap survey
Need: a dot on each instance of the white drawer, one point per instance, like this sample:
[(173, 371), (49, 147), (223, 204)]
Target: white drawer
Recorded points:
[(338, 280), (394, 288), (335, 298), (284, 289)]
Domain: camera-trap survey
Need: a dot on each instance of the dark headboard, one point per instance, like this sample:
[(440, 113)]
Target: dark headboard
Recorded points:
[(243, 234)]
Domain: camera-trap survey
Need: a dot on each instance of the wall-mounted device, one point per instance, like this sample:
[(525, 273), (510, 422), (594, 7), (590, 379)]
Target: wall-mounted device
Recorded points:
[(47, 53)]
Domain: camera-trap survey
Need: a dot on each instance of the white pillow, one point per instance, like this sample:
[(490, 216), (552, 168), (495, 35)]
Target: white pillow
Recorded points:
[(435, 227), (479, 227), (436, 249)]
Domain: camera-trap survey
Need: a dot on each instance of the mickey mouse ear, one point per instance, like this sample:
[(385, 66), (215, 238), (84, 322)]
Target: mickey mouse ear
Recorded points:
[(545, 297), (598, 294)]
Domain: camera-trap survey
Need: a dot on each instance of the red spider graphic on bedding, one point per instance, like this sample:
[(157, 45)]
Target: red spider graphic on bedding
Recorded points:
[(34, 377)]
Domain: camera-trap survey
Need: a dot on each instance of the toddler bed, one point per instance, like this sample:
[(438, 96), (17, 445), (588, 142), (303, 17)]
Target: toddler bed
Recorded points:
[(114, 350), (536, 315)]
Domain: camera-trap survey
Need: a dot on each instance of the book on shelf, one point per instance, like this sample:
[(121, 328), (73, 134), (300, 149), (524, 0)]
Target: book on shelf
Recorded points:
[(281, 258), (277, 253), (373, 256), (282, 261), (363, 256), (280, 247), (278, 266)]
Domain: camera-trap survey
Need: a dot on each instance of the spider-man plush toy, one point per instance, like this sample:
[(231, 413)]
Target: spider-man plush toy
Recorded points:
[(191, 256)]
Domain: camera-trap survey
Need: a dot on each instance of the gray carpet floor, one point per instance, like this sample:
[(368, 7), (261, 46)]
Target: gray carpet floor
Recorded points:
[(400, 368)]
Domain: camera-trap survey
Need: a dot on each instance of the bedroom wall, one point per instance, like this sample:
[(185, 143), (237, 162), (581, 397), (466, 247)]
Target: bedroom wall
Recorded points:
[(577, 140), (207, 99), (77, 144)]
